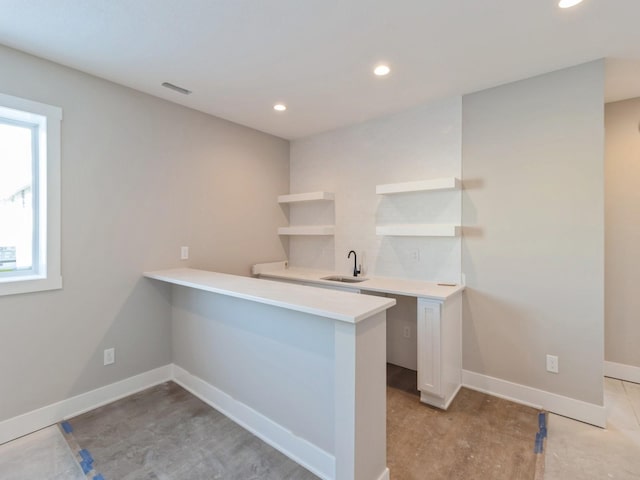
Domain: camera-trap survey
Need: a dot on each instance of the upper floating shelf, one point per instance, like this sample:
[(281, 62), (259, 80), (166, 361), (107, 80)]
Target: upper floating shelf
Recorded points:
[(307, 230), (447, 183), (419, 230), (305, 197)]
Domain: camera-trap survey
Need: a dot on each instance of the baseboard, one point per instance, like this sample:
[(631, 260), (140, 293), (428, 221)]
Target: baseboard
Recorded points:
[(298, 449), (29, 422), (385, 475), (439, 402), (533, 397), (628, 373)]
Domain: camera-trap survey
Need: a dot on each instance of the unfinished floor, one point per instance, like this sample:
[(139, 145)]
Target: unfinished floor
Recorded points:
[(581, 451), (165, 432), (478, 437), (42, 455)]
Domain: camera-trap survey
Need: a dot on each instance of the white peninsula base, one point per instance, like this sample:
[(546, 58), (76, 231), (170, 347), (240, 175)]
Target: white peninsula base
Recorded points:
[(439, 323), (302, 368)]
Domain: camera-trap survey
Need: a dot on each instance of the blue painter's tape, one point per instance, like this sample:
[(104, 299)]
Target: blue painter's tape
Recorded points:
[(98, 477), (542, 433), (537, 448), (542, 424), (542, 420), (66, 426), (86, 456), (86, 467)]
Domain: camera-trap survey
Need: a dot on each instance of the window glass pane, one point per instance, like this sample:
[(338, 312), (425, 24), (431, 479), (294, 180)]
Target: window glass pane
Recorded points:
[(16, 197)]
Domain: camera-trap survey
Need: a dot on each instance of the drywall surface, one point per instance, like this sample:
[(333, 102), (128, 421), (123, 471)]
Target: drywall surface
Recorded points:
[(140, 178), (402, 333), (533, 244), (622, 237), (417, 144), (281, 366)]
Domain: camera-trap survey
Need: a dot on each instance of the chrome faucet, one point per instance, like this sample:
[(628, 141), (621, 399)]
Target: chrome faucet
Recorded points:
[(356, 270)]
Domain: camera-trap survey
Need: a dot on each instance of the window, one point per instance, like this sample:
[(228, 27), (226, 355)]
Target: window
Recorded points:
[(29, 196)]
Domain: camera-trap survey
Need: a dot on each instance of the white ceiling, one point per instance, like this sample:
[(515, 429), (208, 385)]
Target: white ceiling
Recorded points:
[(239, 57)]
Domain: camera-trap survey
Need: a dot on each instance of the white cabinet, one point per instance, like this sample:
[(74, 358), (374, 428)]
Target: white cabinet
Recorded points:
[(429, 347), (439, 350), (439, 340)]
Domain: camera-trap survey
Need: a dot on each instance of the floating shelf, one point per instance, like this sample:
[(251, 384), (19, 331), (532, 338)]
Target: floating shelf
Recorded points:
[(419, 230), (305, 197), (448, 183), (307, 230)]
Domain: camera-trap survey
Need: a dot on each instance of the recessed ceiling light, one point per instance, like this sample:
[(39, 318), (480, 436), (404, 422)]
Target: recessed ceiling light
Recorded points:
[(381, 70), (279, 107), (568, 3)]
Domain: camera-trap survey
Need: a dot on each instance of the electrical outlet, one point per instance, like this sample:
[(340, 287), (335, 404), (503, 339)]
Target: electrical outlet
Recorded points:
[(552, 364), (407, 332), (184, 253), (109, 356), (415, 255)]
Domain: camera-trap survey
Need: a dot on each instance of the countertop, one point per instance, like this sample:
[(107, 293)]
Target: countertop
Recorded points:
[(342, 306), (397, 286)]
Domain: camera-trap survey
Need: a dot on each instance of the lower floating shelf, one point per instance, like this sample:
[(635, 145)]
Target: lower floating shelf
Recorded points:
[(307, 230), (419, 230)]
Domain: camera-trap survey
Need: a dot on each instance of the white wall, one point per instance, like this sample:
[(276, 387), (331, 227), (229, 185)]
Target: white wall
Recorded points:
[(140, 178), (533, 245), (416, 144), (622, 201)]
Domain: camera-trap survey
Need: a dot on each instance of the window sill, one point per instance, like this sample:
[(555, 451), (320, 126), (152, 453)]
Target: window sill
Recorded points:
[(29, 284)]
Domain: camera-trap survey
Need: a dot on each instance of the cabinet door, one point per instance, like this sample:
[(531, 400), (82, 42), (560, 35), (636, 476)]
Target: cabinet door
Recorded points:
[(429, 343)]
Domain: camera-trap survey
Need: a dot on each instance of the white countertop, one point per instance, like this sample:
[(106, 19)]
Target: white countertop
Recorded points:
[(397, 286), (343, 306)]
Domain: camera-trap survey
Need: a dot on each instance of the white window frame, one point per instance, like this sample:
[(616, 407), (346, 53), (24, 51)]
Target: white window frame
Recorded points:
[(46, 274)]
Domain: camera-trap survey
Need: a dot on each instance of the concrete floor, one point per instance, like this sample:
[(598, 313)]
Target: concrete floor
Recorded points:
[(167, 433), (479, 437), (41, 455), (574, 450), (579, 451)]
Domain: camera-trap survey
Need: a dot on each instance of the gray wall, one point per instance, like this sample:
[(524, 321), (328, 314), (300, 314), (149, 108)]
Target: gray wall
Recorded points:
[(282, 366), (140, 178), (533, 245), (622, 202)]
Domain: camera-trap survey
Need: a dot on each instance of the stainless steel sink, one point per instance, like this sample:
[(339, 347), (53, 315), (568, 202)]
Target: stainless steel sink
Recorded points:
[(340, 278)]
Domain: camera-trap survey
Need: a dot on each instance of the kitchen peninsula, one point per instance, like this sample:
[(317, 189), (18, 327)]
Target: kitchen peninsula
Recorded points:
[(438, 321), (302, 368)]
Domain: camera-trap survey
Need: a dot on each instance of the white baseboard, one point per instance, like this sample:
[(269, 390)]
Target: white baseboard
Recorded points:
[(301, 451), (29, 422), (628, 373), (533, 397), (298, 449), (385, 475)]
